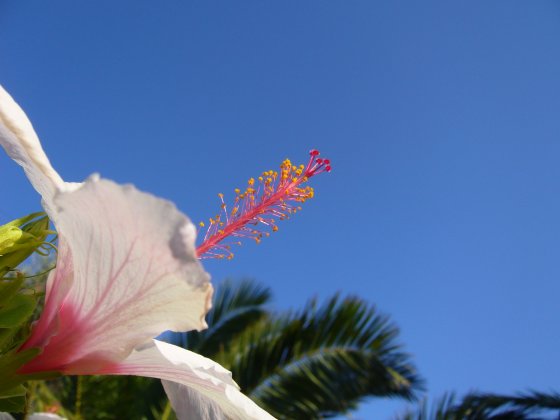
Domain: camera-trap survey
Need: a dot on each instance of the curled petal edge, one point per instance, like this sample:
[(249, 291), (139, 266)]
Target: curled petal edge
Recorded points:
[(21, 143), (197, 387)]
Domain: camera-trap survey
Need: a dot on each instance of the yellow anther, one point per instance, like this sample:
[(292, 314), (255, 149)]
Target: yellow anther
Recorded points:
[(237, 191), (220, 195), (201, 224), (275, 228), (251, 181)]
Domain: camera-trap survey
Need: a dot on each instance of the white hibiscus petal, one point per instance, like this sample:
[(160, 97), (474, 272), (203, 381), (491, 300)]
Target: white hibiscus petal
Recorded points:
[(188, 403), (197, 387), (127, 271), (18, 138)]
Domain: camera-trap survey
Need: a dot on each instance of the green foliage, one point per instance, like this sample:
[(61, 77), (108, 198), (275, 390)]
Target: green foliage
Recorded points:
[(12, 382), (13, 400), (441, 409), (531, 405), (20, 238), (477, 406), (107, 397), (321, 361), (18, 310)]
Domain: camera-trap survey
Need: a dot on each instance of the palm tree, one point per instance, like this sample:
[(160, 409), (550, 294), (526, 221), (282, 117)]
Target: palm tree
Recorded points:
[(320, 361), (477, 406)]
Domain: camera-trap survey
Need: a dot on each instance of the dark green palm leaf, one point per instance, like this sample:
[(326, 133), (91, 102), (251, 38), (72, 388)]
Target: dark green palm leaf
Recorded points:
[(479, 406), (522, 406), (321, 361), (442, 409)]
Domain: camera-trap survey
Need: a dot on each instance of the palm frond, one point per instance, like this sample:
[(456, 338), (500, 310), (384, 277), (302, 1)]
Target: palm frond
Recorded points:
[(477, 406), (442, 409), (321, 361), (520, 406)]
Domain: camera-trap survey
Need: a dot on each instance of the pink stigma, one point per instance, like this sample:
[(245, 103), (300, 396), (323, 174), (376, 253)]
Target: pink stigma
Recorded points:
[(275, 195)]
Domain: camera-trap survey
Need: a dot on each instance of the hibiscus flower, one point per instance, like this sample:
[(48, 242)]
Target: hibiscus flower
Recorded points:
[(127, 270)]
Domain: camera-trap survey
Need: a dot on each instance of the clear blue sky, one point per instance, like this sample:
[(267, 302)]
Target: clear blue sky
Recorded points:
[(441, 119)]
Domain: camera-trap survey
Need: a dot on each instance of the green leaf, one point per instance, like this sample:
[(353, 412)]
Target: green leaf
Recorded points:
[(37, 227), (15, 309), (324, 360), (18, 310), (9, 235), (20, 238), (9, 287), (9, 365), (13, 400), (476, 406), (25, 219), (6, 335)]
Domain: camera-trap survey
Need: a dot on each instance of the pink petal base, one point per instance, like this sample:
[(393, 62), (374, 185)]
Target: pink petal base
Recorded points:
[(66, 351)]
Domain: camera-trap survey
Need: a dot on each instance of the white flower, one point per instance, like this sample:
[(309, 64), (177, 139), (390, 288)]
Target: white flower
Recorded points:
[(126, 271)]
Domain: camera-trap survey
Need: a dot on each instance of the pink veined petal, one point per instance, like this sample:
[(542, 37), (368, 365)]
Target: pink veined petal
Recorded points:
[(197, 387), (18, 138), (127, 270), (59, 283)]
